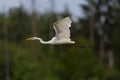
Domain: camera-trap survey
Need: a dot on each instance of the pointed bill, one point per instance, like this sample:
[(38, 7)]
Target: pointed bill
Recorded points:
[(29, 39)]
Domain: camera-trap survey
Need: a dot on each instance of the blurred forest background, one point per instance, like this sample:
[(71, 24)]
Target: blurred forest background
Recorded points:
[(98, 31)]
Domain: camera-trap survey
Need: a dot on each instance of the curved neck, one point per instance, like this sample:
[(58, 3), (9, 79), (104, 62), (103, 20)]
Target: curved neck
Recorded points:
[(44, 42)]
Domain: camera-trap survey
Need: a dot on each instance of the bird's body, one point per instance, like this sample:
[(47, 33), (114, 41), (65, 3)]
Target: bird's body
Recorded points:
[(62, 33)]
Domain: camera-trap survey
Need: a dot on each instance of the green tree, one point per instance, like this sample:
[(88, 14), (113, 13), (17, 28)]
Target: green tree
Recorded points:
[(18, 19), (103, 22)]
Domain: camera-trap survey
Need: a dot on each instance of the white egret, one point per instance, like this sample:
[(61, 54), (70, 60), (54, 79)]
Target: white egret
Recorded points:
[(62, 33)]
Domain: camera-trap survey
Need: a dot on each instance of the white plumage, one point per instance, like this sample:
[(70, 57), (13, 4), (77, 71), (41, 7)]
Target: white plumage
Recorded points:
[(62, 33)]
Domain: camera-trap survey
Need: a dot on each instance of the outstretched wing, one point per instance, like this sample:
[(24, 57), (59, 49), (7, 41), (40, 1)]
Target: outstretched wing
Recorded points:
[(62, 28)]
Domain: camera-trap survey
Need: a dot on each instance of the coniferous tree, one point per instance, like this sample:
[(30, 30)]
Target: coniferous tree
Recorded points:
[(101, 26)]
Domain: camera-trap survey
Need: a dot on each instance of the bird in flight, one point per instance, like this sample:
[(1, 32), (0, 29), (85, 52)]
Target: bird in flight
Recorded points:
[(62, 31)]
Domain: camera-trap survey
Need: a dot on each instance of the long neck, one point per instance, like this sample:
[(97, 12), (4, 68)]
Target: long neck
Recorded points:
[(44, 42)]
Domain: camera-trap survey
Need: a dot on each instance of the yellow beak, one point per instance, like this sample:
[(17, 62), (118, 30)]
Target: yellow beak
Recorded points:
[(29, 39)]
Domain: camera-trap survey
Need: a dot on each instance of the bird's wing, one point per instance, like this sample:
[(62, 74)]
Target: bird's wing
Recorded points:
[(62, 28)]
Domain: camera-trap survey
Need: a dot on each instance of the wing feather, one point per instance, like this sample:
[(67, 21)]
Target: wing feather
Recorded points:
[(62, 28)]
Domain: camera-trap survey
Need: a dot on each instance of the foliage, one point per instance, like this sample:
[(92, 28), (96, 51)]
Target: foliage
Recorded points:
[(58, 62)]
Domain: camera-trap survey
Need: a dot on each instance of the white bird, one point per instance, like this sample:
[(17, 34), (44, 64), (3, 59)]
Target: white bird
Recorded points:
[(62, 33)]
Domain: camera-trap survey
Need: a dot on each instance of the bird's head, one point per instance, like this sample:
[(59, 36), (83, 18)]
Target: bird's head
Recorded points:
[(32, 38)]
